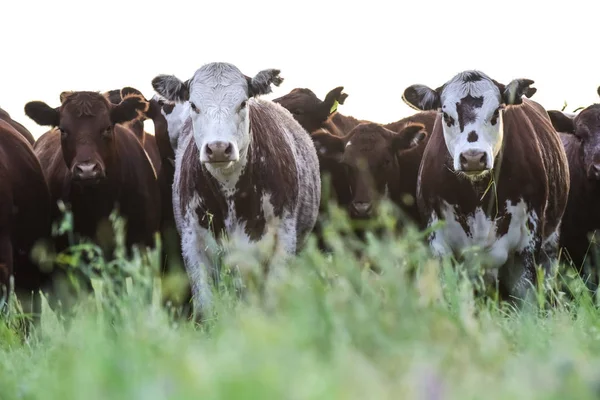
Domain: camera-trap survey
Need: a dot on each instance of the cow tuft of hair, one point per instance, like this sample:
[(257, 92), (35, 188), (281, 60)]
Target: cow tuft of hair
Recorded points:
[(63, 96), (42, 114)]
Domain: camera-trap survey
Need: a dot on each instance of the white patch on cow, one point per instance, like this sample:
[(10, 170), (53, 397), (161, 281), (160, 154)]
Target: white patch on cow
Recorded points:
[(349, 143), (489, 136), (198, 249), (482, 239)]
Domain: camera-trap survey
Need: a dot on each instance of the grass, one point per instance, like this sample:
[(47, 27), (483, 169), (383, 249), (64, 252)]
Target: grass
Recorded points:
[(323, 327)]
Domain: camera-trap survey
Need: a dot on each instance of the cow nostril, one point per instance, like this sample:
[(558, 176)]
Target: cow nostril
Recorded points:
[(482, 159), (463, 160), (208, 150), (229, 150)]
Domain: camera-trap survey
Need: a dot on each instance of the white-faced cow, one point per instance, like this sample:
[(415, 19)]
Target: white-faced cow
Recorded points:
[(247, 168), (580, 135), (495, 172)]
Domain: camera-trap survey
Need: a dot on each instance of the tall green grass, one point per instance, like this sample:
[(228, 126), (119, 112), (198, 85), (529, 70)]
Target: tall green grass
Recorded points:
[(375, 321)]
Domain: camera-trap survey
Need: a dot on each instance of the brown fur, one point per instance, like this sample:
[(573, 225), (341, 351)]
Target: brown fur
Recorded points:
[(24, 212), (20, 128)]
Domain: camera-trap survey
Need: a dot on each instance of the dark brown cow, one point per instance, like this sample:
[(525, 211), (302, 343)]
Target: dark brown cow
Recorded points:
[(5, 116), (246, 170), (376, 162), (580, 135), (24, 212), (93, 163), (147, 140), (495, 172)]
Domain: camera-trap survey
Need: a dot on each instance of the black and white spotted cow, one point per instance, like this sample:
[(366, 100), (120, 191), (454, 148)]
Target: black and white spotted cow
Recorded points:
[(495, 172), (247, 169)]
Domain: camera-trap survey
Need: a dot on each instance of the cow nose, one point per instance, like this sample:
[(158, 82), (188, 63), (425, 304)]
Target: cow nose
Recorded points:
[(473, 160), (361, 209), (219, 151), (87, 171)]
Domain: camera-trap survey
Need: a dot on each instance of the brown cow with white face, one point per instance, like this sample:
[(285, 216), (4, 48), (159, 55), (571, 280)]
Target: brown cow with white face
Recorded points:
[(494, 170), (246, 169), (93, 163), (580, 134)]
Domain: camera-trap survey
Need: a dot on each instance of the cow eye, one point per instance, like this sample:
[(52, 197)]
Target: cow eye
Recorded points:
[(448, 120), (243, 105), (194, 107), (297, 112), (494, 119), (63, 133)]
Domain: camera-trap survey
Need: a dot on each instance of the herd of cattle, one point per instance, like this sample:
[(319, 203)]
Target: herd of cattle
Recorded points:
[(514, 184)]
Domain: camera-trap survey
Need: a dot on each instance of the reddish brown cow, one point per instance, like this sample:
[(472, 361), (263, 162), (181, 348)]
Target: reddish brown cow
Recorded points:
[(5, 116), (24, 211), (377, 162), (495, 172), (93, 163), (580, 136)]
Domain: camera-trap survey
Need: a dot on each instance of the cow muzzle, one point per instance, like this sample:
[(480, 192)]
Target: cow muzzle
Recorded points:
[(361, 209), (473, 162), (218, 152), (88, 172)]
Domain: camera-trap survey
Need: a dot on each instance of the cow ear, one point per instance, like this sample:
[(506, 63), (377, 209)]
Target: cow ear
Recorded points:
[(42, 113), (334, 98), (171, 88), (409, 137), (130, 108), (422, 98), (261, 83), (328, 145), (561, 122), (113, 96), (64, 95), (516, 89)]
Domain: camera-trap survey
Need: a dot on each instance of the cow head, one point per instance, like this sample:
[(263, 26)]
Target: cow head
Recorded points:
[(86, 121), (586, 127), (369, 153), (308, 109), (218, 95), (472, 106)]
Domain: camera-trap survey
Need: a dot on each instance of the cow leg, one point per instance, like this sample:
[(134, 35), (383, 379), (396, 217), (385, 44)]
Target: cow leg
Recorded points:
[(517, 277), (198, 248), (6, 264)]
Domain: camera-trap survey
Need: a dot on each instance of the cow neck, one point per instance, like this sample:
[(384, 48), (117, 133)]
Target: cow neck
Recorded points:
[(339, 124)]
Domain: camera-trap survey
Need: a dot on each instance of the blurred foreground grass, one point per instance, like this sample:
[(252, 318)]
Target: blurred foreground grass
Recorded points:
[(323, 327)]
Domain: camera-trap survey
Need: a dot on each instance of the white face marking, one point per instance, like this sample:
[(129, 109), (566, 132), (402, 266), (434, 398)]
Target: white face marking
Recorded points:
[(217, 91), (477, 112), (482, 240)]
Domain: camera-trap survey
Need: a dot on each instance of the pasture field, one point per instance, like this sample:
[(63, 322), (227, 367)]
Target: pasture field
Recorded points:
[(326, 327)]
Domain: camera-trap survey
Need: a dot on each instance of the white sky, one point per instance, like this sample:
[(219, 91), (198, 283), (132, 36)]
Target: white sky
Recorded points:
[(374, 48)]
